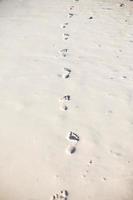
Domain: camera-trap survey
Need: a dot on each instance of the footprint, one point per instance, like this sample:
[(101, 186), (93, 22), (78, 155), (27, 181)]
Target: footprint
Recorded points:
[(64, 99), (64, 25), (64, 52), (62, 195), (73, 139), (66, 36), (70, 15), (71, 8), (67, 72)]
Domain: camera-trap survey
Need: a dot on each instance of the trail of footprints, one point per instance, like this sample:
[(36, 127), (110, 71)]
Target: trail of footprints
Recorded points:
[(66, 99), (73, 138)]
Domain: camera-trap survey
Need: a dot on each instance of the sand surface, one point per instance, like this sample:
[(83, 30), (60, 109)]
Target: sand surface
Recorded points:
[(66, 99)]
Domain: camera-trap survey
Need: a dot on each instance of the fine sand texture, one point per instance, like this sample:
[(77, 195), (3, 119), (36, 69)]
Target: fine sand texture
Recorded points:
[(66, 100)]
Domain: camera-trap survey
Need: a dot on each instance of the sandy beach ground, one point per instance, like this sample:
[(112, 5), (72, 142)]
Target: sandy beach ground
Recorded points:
[(66, 100)]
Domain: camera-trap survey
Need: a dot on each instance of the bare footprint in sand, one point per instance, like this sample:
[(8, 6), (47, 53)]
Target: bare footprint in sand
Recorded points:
[(62, 195), (72, 7), (70, 15), (64, 99), (64, 52), (67, 73), (63, 105), (73, 139), (66, 36), (64, 25)]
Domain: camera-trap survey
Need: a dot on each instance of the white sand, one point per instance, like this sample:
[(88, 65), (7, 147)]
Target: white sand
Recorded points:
[(34, 128)]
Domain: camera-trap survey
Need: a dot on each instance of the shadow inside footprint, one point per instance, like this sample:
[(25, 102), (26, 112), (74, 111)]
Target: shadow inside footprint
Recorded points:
[(70, 149), (73, 136)]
